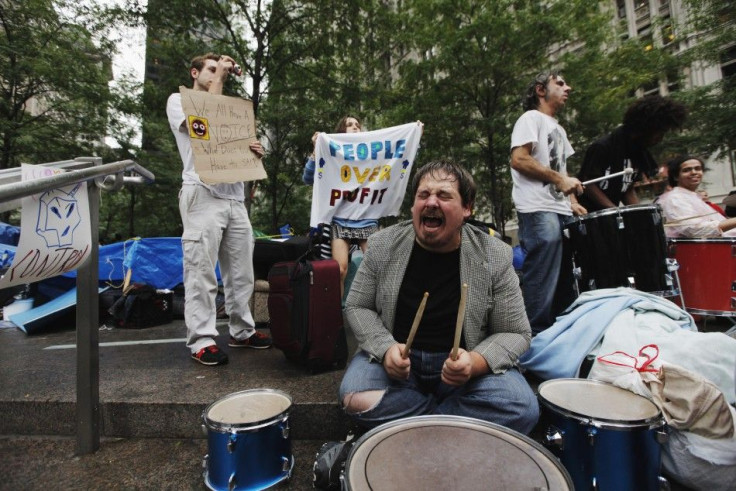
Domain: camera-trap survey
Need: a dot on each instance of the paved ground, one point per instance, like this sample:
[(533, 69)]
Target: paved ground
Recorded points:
[(152, 396)]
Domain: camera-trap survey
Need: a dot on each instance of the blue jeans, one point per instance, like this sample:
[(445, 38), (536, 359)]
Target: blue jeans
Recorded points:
[(547, 270), (505, 399)]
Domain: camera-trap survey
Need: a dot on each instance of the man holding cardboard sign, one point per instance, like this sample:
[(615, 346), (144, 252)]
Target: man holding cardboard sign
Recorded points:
[(216, 223)]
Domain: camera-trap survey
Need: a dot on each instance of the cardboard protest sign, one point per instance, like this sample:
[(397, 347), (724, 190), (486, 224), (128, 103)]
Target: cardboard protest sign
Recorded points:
[(363, 175), (55, 235), (221, 129)]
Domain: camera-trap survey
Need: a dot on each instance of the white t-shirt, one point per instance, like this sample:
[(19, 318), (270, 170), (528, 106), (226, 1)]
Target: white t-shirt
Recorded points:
[(177, 120), (550, 148)]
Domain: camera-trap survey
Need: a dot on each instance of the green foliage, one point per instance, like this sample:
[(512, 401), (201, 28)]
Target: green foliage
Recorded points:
[(54, 70)]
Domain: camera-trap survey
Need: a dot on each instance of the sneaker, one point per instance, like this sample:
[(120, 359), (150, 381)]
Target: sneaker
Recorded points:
[(257, 341), (329, 464), (210, 355)]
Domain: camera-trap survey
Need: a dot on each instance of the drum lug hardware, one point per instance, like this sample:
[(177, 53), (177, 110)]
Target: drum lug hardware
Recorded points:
[(733, 250), (205, 462), (591, 435), (582, 229), (231, 483), (591, 284), (620, 222), (285, 430), (285, 464), (555, 437), (668, 280), (662, 436), (733, 303), (733, 286), (632, 282), (577, 273), (672, 264), (664, 484), (231, 442), (204, 430)]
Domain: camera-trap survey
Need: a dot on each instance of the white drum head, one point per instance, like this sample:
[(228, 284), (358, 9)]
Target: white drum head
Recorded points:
[(449, 452), (597, 400), (247, 407)]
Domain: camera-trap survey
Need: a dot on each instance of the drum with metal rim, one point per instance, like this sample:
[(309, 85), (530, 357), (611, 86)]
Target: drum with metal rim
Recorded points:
[(623, 246), (607, 438), (450, 452), (706, 274), (248, 441)]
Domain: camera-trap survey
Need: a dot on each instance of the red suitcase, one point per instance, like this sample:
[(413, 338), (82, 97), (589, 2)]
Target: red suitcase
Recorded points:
[(304, 307)]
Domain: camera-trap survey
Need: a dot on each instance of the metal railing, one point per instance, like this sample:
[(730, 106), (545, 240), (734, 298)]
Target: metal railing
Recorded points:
[(109, 177)]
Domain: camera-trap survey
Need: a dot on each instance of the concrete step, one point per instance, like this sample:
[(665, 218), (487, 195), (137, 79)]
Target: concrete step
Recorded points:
[(149, 385)]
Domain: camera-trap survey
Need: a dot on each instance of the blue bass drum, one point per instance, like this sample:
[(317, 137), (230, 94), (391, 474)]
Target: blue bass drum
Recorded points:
[(607, 438), (248, 440)]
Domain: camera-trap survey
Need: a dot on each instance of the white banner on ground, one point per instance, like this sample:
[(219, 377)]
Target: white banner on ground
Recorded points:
[(55, 232), (363, 175)]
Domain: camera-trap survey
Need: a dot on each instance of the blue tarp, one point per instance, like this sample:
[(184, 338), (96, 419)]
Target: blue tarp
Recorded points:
[(155, 261)]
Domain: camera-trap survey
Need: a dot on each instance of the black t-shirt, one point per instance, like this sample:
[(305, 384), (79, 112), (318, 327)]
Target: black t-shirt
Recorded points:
[(609, 155), (438, 274)]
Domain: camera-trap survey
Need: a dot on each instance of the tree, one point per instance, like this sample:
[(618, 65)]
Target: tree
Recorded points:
[(54, 73)]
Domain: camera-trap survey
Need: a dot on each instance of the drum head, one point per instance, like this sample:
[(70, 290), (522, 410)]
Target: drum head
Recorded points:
[(598, 400), (247, 408), (450, 452)]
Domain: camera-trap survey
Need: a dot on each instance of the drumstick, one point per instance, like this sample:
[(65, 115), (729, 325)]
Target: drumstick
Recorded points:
[(627, 170), (460, 318), (415, 325), (674, 223)]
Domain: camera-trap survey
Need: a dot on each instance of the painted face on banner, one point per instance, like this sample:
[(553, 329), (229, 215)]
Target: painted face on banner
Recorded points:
[(438, 212)]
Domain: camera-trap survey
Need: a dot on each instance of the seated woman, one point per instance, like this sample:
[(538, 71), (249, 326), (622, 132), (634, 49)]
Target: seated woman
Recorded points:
[(688, 216)]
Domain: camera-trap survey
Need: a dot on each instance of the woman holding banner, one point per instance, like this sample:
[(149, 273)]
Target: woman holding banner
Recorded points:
[(343, 232)]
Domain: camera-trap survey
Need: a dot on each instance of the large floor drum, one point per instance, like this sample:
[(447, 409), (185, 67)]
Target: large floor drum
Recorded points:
[(621, 247), (450, 452), (707, 274), (608, 438), (248, 440)]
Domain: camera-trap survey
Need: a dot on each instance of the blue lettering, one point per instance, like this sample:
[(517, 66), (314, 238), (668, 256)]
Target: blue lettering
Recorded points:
[(375, 148), (362, 151), (334, 147), (348, 151), (400, 147), (388, 154)]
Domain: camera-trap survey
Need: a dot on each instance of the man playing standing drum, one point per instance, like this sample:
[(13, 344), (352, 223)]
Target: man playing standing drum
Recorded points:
[(627, 147), (539, 153)]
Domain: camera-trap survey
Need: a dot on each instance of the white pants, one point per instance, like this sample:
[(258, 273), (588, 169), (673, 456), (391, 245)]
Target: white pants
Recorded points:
[(215, 229)]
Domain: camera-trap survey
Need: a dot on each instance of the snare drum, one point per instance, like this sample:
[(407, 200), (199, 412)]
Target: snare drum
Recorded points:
[(707, 274), (608, 438), (450, 452), (621, 247), (248, 440)]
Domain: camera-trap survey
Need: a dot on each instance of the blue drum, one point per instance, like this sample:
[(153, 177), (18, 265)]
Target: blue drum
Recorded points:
[(450, 452), (607, 438), (248, 440)]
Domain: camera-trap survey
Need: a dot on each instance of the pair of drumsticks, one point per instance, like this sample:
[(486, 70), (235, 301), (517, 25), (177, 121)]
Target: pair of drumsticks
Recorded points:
[(458, 324)]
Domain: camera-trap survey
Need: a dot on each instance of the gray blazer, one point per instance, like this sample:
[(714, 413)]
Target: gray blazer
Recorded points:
[(495, 324)]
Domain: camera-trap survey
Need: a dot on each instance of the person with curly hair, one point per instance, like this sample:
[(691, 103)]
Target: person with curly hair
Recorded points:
[(645, 123)]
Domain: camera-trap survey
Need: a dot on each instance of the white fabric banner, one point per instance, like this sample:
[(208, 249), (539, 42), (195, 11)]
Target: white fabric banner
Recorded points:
[(363, 175)]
